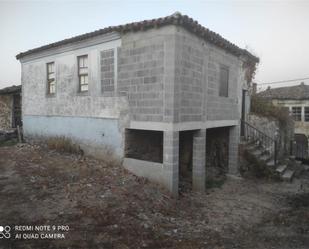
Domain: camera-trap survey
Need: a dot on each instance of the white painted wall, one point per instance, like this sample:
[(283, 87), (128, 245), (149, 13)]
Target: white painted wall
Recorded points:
[(67, 100), (301, 127)]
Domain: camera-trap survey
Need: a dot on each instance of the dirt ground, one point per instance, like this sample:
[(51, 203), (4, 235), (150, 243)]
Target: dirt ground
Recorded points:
[(106, 207)]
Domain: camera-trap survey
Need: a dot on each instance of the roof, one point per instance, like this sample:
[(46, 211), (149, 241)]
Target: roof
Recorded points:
[(10, 89), (299, 92), (175, 19)]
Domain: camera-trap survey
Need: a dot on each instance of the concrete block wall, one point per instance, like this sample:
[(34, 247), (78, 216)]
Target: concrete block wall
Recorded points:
[(185, 88), (189, 76), (197, 80), (217, 107), (141, 71), (170, 75)]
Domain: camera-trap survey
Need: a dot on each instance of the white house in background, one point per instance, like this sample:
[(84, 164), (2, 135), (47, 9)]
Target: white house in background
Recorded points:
[(296, 99)]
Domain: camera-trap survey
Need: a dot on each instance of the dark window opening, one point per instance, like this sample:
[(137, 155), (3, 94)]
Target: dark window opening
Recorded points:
[(144, 145)]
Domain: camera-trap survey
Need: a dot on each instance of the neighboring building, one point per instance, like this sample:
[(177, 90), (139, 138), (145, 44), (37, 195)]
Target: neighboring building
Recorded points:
[(296, 99), (150, 90), (10, 107)]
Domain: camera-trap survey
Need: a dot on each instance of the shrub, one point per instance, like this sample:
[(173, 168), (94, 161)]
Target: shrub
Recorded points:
[(266, 108)]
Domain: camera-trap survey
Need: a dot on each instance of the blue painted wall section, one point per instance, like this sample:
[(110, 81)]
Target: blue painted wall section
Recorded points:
[(92, 131)]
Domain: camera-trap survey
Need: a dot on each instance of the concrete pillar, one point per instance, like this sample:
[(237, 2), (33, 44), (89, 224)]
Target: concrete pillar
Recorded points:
[(234, 139), (198, 162), (171, 161)]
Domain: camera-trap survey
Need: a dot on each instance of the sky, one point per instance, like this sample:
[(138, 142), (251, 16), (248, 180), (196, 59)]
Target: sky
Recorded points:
[(275, 31)]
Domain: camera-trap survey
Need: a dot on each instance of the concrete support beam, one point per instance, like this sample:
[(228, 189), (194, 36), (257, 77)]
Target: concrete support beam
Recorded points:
[(171, 161), (234, 139), (199, 160)]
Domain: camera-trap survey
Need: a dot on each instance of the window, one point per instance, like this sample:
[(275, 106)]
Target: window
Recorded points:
[(51, 82), (224, 81), (83, 73), (306, 114), (296, 113)]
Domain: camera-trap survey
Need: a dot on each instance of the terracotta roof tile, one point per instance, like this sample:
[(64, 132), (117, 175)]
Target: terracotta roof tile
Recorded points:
[(298, 92), (175, 19)]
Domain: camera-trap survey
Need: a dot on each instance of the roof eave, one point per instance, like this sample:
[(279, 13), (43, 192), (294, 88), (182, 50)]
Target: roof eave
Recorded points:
[(175, 19)]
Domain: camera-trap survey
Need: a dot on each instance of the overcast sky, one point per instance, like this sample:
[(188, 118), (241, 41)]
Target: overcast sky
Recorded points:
[(275, 31)]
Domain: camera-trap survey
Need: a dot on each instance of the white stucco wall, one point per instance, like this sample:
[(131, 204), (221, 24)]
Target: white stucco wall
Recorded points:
[(41, 111), (301, 127)]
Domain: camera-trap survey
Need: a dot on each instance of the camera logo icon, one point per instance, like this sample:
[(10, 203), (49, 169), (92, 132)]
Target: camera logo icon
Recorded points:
[(5, 232)]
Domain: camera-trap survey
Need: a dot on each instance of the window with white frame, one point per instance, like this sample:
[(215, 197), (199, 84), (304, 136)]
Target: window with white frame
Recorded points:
[(83, 72), (51, 80), (296, 113)]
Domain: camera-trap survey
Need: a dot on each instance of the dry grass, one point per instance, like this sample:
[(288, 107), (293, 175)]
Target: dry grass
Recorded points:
[(63, 144), (109, 156)]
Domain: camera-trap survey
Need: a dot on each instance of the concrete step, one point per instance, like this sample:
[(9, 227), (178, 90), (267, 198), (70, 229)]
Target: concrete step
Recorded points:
[(256, 152), (292, 158), (251, 147), (281, 168), (288, 175), (271, 163), (265, 158), (297, 162)]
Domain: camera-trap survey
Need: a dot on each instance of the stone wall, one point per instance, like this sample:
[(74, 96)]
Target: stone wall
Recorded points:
[(6, 105)]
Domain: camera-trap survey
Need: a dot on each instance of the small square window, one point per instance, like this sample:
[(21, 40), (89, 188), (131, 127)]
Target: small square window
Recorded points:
[(224, 81), (83, 72), (51, 81)]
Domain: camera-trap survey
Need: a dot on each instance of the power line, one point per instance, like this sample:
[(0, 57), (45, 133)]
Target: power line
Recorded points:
[(282, 81)]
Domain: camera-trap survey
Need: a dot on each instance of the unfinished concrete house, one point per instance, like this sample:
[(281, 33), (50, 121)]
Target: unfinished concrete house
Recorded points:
[(151, 90)]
